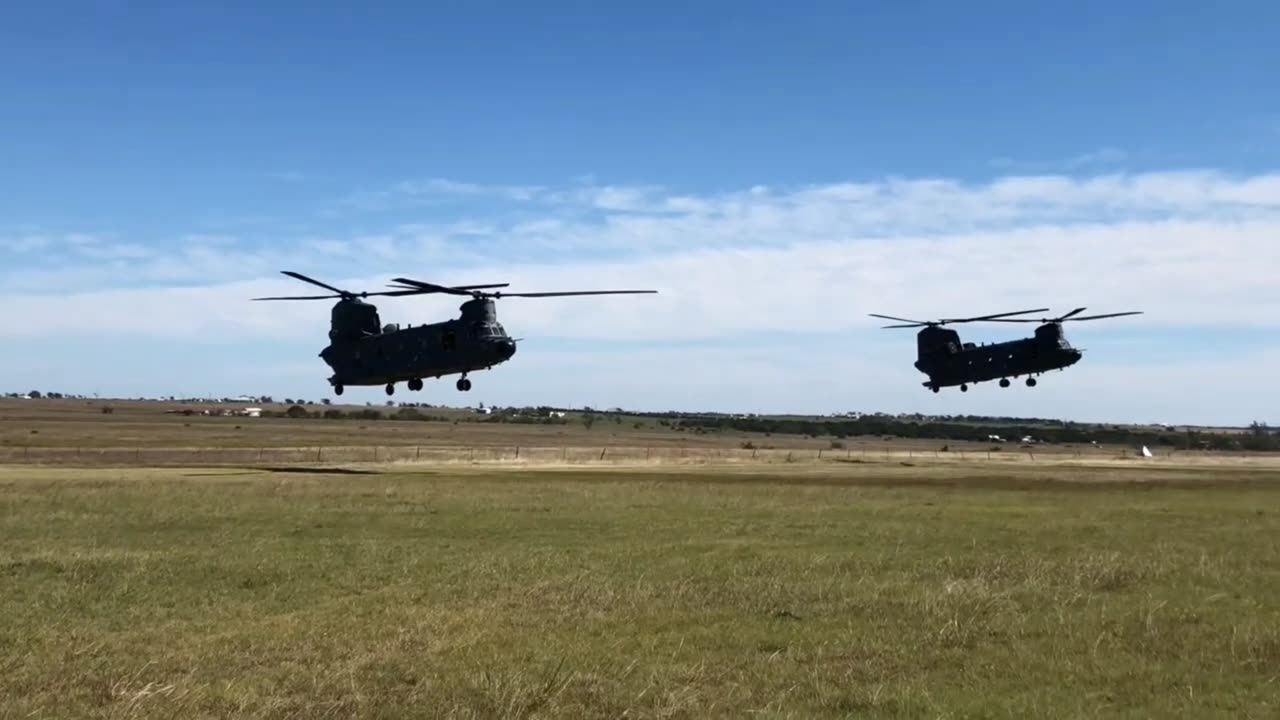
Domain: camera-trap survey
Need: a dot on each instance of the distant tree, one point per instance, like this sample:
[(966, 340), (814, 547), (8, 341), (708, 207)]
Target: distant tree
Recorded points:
[(35, 394), (296, 411)]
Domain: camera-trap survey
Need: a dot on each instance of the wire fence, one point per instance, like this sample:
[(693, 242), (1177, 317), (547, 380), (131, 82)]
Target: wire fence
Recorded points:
[(568, 455)]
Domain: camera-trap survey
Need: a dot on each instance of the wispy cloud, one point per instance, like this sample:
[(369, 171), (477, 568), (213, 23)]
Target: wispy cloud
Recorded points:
[(1091, 161), (1190, 248)]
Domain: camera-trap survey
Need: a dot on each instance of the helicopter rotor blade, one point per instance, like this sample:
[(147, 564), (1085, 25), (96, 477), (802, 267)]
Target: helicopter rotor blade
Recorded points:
[(991, 317), (1107, 315), (298, 297), (905, 320), (313, 281), (432, 287), (574, 292)]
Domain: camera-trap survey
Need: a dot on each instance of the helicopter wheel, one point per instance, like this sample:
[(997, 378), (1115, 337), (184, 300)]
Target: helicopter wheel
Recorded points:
[(391, 388), (935, 388), (337, 389), (1004, 382), (1031, 382), (415, 384), (464, 385), (964, 388)]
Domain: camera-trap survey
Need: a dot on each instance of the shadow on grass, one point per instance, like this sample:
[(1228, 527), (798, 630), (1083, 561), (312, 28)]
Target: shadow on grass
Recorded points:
[(300, 470)]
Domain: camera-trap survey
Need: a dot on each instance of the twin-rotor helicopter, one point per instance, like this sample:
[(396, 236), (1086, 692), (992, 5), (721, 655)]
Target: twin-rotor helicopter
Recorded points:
[(361, 351), (948, 362)]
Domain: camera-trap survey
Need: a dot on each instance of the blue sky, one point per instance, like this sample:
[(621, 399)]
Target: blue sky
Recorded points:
[(778, 171)]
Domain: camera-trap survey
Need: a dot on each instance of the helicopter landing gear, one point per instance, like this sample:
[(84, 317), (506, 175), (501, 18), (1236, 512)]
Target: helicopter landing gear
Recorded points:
[(337, 389), (464, 384), (1004, 382), (964, 388), (1031, 382), (415, 384), (391, 388)]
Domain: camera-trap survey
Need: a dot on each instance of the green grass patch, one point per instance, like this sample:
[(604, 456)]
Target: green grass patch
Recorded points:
[(614, 594)]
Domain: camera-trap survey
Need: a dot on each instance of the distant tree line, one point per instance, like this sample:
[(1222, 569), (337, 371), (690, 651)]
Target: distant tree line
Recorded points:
[(1260, 437)]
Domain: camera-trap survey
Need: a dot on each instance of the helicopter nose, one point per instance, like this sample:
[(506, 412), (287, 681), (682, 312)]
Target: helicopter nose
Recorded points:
[(506, 348)]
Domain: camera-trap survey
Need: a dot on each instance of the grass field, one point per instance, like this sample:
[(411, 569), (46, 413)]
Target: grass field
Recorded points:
[(872, 589), (902, 583)]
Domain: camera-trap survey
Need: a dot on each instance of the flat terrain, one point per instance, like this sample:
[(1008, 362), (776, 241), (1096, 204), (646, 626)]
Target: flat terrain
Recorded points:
[(266, 571), (846, 589)]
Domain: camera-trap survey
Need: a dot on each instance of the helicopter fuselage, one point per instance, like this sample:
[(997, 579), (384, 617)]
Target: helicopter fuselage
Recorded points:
[(950, 363)]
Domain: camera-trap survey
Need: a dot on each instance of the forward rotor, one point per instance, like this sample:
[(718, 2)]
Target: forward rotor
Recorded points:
[(348, 295), (949, 321), (477, 291)]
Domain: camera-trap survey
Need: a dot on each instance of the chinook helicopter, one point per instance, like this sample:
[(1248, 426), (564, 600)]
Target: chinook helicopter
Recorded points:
[(948, 362), (362, 352)]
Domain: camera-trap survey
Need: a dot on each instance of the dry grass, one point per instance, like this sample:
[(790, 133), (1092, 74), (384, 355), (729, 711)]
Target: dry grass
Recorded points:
[(870, 589)]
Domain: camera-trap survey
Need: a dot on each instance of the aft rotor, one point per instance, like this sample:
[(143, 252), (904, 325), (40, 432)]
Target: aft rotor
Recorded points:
[(1073, 316)]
